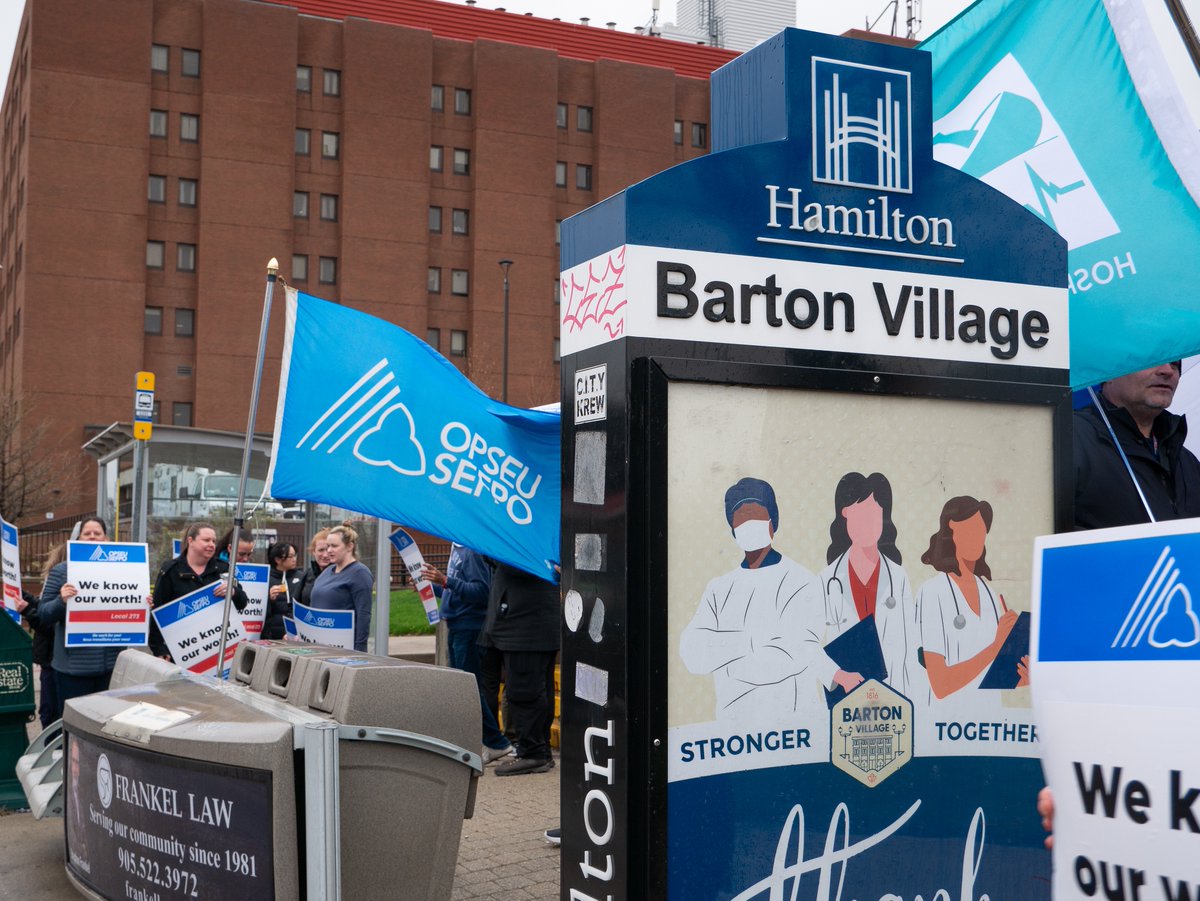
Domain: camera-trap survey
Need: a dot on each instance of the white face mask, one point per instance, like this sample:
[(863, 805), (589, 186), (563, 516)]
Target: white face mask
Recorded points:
[(753, 534)]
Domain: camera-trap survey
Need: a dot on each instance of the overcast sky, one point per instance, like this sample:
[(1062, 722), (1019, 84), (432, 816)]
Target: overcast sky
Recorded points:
[(833, 16)]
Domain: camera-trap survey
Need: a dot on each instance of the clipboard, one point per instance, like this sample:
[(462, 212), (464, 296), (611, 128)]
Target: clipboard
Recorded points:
[(856, 650), (1003, 671)]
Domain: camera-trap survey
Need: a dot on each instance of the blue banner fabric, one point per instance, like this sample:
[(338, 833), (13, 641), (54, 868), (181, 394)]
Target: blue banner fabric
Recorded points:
[(374, 420), (1034, 98)]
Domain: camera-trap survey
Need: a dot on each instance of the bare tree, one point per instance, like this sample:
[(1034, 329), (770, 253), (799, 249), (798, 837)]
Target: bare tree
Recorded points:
[(29, 471)]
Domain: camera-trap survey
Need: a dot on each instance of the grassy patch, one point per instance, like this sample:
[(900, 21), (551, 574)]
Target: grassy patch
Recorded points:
[(408, 615)]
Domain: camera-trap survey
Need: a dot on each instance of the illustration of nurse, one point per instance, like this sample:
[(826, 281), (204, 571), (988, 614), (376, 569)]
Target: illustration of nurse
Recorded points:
[(864, 577), (964, 623)]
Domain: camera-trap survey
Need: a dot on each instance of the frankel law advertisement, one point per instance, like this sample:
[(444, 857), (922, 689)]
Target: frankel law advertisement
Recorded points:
[(149, 826), (848, 625)]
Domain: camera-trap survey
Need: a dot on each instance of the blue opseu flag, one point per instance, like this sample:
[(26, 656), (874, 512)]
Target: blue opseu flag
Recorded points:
[(1035, 98), (373, 419)]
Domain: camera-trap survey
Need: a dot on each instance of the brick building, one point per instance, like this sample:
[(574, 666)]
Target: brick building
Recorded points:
[(156, 153)]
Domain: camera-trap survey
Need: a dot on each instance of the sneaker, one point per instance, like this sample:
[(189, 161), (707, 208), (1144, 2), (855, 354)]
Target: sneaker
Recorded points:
[(523, 766), (554, 836), (491, 755)]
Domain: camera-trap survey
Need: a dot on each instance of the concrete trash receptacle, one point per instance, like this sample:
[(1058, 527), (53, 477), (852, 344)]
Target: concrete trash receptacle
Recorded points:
[(16, 706)]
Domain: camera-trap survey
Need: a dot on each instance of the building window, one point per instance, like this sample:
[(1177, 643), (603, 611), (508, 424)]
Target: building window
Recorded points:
[(462, 101), (433, 337), (560, 174), (188, 191), (329, 207), (303, 141), (557, 231), (185, 323), (459, 282), (460, 222), (437, 98), (560, 115), (458, 343), (160, 57), (557, 292), (557, 351), (189, 127), (583, 177), (433, 280), (300, 204), (332, 83), (678, 131), (329, 144), (327, 270), (304, 79), (436, 159), (699, 134), (181, 413), (435, 219), (583, 118), (299, 267), (158, 123), (185, 257), (156, 416), (462, 161), (153, 321), (156, 252), (156, 189), (189, 63)]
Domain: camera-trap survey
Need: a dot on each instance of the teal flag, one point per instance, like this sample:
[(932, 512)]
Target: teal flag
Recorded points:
[(1034, 97)]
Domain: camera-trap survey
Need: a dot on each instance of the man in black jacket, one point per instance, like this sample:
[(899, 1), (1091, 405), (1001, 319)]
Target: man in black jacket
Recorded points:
[(1167, 473), (523, 623)]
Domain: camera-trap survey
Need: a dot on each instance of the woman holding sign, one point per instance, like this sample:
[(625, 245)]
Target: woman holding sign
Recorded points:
[(345, 584), (83, 670), (284, 580), (195, 567)]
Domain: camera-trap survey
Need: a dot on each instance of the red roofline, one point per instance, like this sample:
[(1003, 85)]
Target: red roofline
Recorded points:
[(471, 23)]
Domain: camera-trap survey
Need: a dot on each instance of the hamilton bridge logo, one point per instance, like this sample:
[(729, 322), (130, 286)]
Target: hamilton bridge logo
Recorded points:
[(862, 125)]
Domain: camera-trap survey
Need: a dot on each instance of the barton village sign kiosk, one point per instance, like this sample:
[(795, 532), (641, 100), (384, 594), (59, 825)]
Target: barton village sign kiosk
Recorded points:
[(813, 388)]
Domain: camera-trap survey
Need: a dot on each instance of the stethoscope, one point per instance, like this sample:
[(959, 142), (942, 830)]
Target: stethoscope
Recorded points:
[(889, 601), (960, 621)]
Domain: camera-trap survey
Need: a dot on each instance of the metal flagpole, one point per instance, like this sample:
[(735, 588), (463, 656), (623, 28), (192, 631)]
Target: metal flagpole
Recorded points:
[(247, 446), (1187, 32)]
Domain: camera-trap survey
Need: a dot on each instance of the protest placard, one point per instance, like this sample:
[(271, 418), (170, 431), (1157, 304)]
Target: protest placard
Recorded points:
[(1116, 651), (11, 567), (333, 628), (255, 580), (414, 561), (191, 627), (113, 582)]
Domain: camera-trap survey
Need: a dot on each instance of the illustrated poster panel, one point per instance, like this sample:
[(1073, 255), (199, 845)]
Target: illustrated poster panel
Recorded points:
[(142, 825), (848, 640)]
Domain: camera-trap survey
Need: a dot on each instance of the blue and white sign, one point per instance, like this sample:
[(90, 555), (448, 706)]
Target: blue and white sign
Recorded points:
[(331, 628), (191, 627), (113, 584), (1086, 134), (255, 581), (10, 557), (394, 430), (1116, 656)]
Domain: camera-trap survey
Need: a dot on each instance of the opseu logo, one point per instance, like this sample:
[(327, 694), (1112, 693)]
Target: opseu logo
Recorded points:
[(1003, 134), (862, 125), (101, 555), (1162, 612)]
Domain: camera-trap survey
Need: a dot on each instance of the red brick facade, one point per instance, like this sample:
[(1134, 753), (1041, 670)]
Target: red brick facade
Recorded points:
[(78, 155)]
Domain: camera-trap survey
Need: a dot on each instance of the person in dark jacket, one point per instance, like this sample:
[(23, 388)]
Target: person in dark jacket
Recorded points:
[(77, 671), (43, 646), (463, 589), (318, 559), (195, 567), (1167, 473), (523, 623), (284, 582)]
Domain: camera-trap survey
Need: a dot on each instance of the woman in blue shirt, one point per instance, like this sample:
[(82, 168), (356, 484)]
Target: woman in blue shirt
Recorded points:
[(345, 584)]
